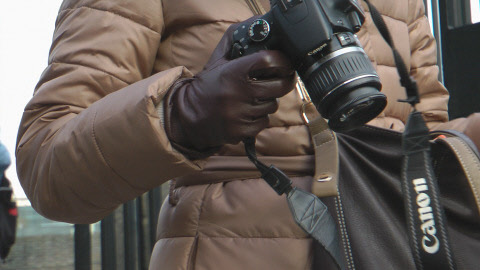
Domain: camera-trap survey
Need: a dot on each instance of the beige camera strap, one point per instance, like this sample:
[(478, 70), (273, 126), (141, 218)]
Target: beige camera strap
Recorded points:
[(325, 181), (468, 160)]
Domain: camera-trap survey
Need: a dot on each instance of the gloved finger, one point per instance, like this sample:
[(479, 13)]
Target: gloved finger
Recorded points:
[(273, 88), (261, 108), (246, 128), (271, 73), (472, 129), (270, 64), (470, 126), (254, 126), (260, 61)]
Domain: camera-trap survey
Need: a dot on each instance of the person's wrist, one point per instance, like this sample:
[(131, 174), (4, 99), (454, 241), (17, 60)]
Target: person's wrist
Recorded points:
[(173, 127), (179, 135)]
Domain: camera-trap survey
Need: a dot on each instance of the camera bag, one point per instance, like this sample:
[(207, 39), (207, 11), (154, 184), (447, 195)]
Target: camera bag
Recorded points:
[(370, 209)]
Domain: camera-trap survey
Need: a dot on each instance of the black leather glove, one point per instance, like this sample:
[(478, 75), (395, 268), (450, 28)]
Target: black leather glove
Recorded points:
[(228, 101), (470, 126), (472, 129)]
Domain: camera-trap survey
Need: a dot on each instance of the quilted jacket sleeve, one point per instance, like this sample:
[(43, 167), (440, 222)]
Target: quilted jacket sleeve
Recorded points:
[(433, 95), (90, 138)]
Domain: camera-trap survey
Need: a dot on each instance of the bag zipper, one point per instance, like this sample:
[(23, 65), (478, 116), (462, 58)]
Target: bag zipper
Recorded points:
[(347, 248), (255, 7)]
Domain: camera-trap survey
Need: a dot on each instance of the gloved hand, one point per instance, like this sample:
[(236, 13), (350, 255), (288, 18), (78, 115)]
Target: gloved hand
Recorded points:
[(473, 129), (228, 101), (470, 126)]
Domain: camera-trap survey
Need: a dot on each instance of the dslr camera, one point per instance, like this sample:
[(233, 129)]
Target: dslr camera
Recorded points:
[(319, 38)]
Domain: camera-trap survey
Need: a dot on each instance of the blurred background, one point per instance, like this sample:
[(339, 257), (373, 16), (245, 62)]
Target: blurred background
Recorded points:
[(124, 239)]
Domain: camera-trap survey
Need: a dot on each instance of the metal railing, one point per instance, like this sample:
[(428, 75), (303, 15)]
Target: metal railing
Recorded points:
[(127, 236)]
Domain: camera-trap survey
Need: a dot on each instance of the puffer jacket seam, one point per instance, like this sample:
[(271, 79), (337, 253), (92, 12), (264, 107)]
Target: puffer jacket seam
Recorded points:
[(97, 146), (84, 200), (191, 260), (246, 237), (434, 112), (234, 179), (240, 237), (385, 65), (162, 7), (90, 67), (38, 106), (395, 19), (415, 19), (200, 23), (422, 67), (171, 53), (108, 11), (404, 20), (414, 24), (172, 37)]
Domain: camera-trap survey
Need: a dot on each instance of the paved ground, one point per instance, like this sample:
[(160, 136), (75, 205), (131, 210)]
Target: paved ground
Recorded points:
[(43, 244), (45, 252)]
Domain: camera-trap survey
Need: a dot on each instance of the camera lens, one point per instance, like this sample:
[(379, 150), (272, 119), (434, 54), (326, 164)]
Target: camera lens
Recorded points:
[(356, 108), (344, 87)]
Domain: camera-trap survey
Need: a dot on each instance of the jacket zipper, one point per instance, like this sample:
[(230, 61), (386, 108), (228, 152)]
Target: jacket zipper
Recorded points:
[(255, 7)]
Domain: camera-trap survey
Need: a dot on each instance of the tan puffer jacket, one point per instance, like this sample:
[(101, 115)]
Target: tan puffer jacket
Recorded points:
[(91, 138)]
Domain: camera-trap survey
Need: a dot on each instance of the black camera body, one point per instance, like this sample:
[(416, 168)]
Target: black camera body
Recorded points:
[(319, 38)]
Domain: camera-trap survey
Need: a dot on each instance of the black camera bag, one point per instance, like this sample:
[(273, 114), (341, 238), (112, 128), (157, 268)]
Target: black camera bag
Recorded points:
[(370, 210)]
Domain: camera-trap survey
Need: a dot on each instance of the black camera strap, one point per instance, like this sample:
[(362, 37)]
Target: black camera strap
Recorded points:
[(425, 216), (307, 209)]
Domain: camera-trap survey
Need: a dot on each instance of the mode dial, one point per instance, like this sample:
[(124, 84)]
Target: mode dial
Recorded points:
[(259, 30)]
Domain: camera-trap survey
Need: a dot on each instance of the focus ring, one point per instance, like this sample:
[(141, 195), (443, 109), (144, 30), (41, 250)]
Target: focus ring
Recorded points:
[(336, 71)]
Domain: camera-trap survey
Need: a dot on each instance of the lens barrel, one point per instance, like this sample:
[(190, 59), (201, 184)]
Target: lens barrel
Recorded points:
[(345, 88)]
